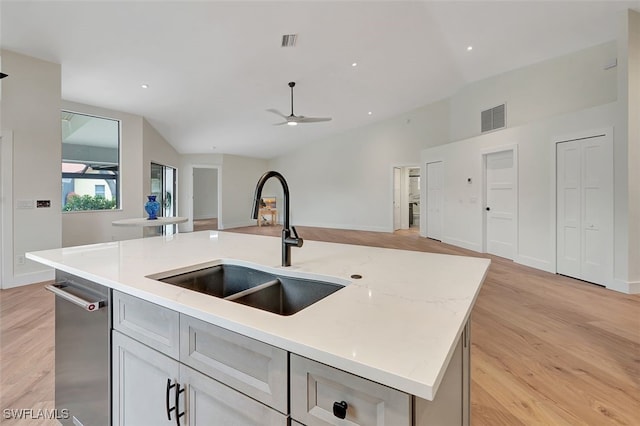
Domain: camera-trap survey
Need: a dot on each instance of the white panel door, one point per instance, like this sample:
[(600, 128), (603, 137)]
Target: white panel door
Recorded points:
[(585, 209), (396, 198), (500, 206), (435, 201)]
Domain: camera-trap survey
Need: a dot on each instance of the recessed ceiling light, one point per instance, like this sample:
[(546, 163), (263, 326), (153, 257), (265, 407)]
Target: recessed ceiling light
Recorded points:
[(469, 48), (369, 113), (355, 64), (145, 86)]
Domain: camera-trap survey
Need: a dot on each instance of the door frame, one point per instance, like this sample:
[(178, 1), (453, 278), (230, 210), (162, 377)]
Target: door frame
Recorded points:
[(424, 206), (6, 209), (404, 195), (483, 159), (190, 184), (607, 132)]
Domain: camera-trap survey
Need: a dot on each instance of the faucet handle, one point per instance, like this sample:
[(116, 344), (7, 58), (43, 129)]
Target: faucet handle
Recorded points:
[(298, 240)]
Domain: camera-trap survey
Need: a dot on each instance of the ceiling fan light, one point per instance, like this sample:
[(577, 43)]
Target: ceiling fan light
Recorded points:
[(292, 123)]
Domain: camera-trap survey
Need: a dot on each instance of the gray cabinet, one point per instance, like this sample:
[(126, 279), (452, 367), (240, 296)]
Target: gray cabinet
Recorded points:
[(230, 379), (150, 357), (139, 383)]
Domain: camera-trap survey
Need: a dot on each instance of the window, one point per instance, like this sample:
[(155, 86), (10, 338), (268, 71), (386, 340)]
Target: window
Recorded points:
[(90, 162)]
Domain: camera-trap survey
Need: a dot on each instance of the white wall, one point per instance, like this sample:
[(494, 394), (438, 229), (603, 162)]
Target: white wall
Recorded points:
[(346, 181), (155, 150), (629, 93), (237, 177), (463, 215), (30, 110), (95, 226), (554, 87), (205, 193), (238, 181)]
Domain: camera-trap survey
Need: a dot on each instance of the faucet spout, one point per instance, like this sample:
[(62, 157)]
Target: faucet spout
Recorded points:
[(287, 239)]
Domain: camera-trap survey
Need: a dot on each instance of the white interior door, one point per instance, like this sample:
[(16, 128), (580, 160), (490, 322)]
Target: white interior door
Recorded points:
[(397, 217), (585, 209), (435, 201), (500, 204)]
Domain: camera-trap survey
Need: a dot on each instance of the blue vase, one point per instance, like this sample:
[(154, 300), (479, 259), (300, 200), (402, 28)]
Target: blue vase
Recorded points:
[(152, 207)]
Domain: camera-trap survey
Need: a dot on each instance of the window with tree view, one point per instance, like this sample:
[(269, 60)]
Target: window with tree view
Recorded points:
[(90, 162)]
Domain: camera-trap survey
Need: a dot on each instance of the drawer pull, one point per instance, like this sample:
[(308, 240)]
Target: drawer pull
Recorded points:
[(340, 409)]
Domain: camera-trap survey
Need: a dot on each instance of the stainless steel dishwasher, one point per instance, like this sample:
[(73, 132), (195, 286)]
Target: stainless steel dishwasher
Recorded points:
[(82, 350)]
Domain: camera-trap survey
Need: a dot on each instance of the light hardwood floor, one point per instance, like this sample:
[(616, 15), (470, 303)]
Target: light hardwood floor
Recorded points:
[(546, 349)]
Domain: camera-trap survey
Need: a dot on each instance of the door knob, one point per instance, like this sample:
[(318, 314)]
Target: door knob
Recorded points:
[(488, 209), (340, 409)]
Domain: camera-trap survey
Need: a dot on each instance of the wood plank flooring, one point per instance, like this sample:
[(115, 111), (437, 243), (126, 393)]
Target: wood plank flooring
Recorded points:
[(546, 349)]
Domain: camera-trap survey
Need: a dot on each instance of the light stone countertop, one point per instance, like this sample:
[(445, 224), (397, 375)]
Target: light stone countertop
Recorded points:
[(398, 325)]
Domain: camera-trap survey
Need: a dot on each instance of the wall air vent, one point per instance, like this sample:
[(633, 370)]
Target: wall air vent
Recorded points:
[(289, 40), (493, 118)]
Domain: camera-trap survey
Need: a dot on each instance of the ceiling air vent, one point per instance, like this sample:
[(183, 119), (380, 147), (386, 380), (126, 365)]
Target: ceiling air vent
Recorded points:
[(493, 118), (289, 40)]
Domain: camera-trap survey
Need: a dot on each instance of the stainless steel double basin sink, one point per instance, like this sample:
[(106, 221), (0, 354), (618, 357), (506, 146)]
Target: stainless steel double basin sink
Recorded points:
[(274, 293)]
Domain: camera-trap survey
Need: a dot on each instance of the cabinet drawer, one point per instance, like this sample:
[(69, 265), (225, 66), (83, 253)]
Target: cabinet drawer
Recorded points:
[(151, 324), (254, 368), (212, 403), (315, 387)]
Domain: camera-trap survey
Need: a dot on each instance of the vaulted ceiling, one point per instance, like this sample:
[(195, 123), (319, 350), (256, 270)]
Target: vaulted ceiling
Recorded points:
[(213, 68)]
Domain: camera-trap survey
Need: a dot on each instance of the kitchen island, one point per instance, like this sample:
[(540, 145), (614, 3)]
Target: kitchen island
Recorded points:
[(399, 323)]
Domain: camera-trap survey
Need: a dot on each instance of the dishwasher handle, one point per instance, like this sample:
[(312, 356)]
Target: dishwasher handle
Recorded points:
[(57, 289)]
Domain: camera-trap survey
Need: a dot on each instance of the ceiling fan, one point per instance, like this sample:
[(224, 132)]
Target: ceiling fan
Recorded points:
[(292, 119)]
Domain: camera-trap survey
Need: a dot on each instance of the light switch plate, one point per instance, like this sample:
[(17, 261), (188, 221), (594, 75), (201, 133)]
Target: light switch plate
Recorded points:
[(25, 204)]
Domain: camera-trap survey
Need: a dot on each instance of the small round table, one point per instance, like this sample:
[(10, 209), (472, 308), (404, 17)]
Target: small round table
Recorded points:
[(143, 221)]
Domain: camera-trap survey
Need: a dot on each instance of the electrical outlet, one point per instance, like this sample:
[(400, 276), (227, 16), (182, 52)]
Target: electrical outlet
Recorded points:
[(20, 259)]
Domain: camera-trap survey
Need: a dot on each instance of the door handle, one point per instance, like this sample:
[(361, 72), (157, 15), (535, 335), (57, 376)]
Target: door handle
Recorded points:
[(169, 410), (488, 209), (179, 390), (87, 305)]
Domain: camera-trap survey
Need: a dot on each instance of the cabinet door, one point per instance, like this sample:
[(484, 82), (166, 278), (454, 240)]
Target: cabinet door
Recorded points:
[(140, 383), (209, 402)]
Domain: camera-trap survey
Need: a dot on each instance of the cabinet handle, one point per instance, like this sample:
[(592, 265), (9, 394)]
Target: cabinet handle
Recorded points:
[(340, 409), (169, 387), (179, 390)]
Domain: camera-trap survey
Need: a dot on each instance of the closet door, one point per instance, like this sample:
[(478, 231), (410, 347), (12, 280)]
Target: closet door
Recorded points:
[(585, 209)]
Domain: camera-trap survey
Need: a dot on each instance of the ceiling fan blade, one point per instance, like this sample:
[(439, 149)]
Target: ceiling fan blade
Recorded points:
[(279, 124), (276, 112), (313, 119)]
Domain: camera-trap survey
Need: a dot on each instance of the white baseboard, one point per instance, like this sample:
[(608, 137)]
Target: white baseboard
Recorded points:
[(533, 262), (30, 278), (250, 222), (462, 243), (628, 287), (343, 226)]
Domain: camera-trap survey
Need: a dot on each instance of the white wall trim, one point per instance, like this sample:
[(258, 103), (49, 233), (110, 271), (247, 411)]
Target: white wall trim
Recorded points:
[(353, 227), (30, 278), (250, 222), (544, 265), (483, 156), (462, 243), (188, 225), (629, 287), (6, 200)]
